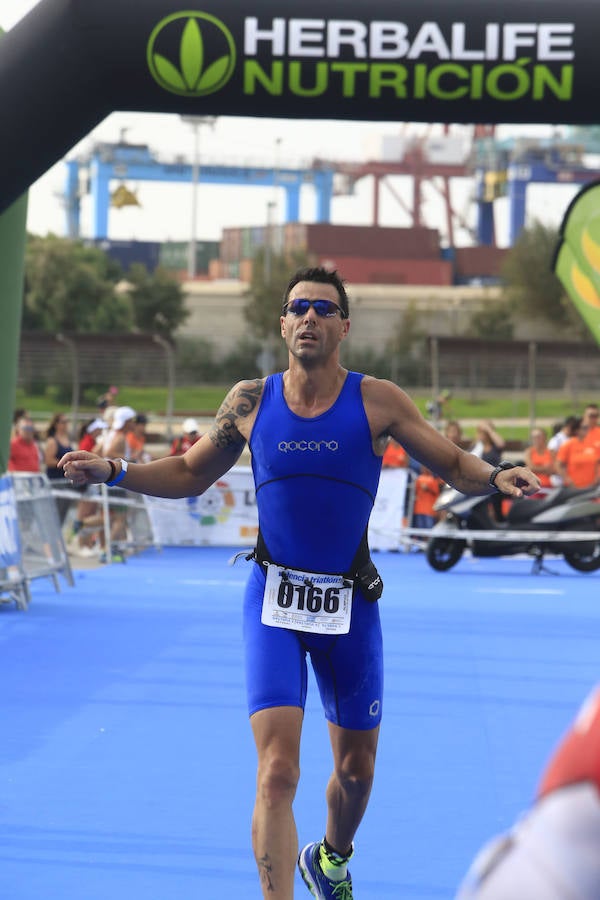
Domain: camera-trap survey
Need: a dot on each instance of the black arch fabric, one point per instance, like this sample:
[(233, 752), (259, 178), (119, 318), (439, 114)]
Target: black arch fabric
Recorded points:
[(69, 63)]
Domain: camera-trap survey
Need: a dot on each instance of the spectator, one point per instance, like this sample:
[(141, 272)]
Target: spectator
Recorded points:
[(189, 437), (590, 418), (24, 453), (489, 446), (19, 413), (107, 399), (578, 462), (427, 490), (453, 432), (562, 432), (539, 458), (394, 456), (115, 445), (90, 434), (488, 443), (136, 440), (88, 511), (56, 445)]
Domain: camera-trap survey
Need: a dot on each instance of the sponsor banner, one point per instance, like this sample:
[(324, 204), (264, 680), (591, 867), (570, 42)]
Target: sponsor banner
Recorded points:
[(226, 514), (10, 538), (519, 61), (577, 259)]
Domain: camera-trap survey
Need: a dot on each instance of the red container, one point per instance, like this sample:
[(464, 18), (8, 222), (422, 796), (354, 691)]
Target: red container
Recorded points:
[(478, 262), (366, 270), (373, 241)]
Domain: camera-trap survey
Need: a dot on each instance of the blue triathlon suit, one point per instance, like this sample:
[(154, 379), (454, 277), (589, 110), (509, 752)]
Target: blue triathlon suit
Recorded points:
[(316, 481)]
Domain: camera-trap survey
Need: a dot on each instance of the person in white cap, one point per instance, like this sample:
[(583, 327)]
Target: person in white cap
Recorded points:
[(190, 435), (115, 444)]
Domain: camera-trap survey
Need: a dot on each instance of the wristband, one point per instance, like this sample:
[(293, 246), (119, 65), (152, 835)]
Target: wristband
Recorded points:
[(113, 481), (495, 472)]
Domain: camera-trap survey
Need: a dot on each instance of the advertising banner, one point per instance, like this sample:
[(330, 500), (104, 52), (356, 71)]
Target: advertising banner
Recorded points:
[(577, 259), (226, 514), (69, 63)]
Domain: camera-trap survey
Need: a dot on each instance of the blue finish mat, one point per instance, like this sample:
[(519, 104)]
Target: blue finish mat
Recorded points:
[(127, 764)]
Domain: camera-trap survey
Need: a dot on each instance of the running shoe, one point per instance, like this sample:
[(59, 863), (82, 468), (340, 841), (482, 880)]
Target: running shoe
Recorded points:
[(314, 879)]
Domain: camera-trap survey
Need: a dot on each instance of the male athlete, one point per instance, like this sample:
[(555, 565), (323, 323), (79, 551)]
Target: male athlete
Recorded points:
[(553, 853), (317, 434)]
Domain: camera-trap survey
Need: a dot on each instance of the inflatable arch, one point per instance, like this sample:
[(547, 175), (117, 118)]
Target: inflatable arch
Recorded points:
[(69, 63)]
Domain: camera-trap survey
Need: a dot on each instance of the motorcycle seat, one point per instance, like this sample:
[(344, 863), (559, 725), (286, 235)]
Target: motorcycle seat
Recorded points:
[(526, 509)]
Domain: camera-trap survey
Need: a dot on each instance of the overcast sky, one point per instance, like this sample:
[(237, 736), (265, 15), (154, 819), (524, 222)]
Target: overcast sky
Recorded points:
[(165, 212)]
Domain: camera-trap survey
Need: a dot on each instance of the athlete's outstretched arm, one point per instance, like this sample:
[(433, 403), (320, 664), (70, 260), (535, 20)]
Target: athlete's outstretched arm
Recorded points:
[(180, 476), (391, 411)]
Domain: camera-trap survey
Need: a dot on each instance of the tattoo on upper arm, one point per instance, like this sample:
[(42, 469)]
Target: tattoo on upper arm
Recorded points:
[(240, 402)]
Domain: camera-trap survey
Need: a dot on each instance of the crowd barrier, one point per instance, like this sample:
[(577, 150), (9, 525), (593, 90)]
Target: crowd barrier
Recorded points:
[(225, 515), (37, 518), (31, 540)]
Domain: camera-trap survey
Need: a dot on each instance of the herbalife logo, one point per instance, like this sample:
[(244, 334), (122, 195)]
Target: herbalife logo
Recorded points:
[(191, 54)]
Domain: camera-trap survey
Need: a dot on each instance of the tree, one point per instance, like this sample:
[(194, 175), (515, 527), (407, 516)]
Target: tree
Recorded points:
[(71, 287), (493, 323), (531, 286), (157, 300), (270, 274)]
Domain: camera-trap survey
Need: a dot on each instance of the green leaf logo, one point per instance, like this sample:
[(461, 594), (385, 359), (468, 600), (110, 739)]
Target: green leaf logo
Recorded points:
[(191, 54)]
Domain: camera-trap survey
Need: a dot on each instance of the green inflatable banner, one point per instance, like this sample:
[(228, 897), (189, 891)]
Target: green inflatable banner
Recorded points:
[(577, 259)]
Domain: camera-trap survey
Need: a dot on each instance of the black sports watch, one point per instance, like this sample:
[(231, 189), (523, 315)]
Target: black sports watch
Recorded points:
[(499, 468)]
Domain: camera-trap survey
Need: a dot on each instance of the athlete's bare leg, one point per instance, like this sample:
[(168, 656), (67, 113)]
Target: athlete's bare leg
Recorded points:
[(350, 784), (274, 837)]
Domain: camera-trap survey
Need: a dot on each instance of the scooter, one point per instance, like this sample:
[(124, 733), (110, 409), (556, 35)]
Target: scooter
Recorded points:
[(564, 521)]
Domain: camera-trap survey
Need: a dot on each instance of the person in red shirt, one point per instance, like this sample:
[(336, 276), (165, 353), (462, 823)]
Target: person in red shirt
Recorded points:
[(553, 853), (578, 462), (24, 454), (90, 433), (189, 437)]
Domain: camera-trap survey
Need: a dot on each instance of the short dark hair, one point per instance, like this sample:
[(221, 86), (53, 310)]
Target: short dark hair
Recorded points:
[(321, 276)]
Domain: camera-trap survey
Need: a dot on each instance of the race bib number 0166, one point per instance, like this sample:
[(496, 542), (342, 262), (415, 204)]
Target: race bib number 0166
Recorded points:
[(306, 601)]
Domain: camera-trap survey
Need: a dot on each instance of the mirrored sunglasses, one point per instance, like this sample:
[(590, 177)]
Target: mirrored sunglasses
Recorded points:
[(324, 308)]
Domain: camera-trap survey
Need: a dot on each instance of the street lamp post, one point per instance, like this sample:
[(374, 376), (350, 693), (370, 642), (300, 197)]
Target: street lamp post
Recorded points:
[(196, 122)]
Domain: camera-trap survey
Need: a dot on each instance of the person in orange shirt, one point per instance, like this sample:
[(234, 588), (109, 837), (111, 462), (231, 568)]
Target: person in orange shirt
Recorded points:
[(427, 490), (591, 416), (394, 456), (539, 458), (136, 440), (578, 462)]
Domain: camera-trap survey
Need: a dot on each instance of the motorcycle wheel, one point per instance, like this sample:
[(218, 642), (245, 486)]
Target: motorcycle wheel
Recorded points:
[(584, 558), (442, 553)]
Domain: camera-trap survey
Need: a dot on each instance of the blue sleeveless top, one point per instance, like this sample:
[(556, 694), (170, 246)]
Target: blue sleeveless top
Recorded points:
[(316, 479)]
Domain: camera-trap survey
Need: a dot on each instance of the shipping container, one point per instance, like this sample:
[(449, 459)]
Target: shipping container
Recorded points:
[(366, 270), (128, 252), (174, 254), (373, 241), (483, 261), (245, 270)]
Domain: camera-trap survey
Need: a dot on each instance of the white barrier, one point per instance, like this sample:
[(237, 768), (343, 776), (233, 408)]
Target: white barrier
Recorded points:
[(226, 514), (31, 541), (13, 581)]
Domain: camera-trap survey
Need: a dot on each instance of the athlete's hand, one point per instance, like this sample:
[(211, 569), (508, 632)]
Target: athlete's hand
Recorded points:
[(82, 467), (517, 482)]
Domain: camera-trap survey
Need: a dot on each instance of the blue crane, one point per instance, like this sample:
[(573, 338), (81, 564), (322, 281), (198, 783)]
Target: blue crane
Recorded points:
[(135, 162)]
